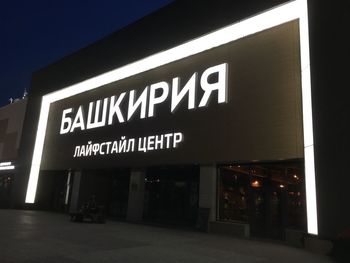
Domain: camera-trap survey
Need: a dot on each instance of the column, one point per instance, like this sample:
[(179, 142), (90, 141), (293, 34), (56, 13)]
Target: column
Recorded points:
[(207, 189), (136, 195), (74, 201)]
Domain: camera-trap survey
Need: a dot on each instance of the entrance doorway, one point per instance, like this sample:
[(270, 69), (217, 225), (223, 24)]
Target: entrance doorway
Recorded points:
[(119, 194), (171, 195), (51, 193), (110, 188)]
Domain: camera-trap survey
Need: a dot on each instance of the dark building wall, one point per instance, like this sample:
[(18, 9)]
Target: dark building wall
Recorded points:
[(172, 25), (261, 121), (185, 20), (11, 123)]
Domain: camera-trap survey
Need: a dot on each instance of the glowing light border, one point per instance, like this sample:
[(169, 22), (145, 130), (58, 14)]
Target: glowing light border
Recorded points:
[(10, 167), (6, 166), (276, 16), (5, 163)]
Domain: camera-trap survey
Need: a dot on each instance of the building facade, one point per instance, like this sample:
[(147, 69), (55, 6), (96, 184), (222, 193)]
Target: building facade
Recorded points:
[(11, 124), (202, 119)]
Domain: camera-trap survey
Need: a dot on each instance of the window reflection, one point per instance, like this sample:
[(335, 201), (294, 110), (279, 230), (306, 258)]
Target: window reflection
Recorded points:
[(268, 196)]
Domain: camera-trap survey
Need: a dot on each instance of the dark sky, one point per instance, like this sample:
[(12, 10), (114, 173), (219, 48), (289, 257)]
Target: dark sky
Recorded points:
[(37, 33)]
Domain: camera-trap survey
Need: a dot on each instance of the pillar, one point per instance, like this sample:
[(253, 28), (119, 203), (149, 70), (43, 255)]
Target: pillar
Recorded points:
[(74, 201), (136, 195), (207, 189)]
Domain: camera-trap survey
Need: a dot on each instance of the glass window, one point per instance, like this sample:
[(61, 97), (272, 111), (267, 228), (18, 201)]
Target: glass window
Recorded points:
[(268, 196), (233, 184)]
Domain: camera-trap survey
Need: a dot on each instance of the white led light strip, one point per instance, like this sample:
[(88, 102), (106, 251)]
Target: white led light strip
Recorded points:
[(6, 166), (271, 18), (9, 167)]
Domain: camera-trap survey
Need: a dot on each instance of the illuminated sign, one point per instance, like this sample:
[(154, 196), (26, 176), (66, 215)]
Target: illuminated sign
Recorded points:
[(107, 110), (72, 120), (126, 145), (6, 166)]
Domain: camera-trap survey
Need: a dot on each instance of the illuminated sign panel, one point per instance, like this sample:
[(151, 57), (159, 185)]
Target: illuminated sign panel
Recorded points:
[(237, 102), (6, 166), (257, 70)]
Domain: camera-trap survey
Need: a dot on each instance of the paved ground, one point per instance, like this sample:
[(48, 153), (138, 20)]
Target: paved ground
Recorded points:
[(32, 236)]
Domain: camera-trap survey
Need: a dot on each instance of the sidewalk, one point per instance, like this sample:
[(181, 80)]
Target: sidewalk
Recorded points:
[(33, 236)]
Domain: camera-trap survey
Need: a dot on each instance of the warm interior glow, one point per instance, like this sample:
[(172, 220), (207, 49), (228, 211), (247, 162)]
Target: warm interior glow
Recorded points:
[(255, 183), (265, 20)]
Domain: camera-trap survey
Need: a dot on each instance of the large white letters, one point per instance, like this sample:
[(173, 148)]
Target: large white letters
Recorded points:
[(114, 109), (66, 122), (96, 122), (141, 101), (220, 85), (190, 88), (78, 120), (212, 81), (153, 99)]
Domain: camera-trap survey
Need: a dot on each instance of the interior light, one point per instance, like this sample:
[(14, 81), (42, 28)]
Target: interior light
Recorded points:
[(255, 184)]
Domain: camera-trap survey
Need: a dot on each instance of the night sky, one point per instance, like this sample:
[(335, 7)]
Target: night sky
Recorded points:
[(37, 33)]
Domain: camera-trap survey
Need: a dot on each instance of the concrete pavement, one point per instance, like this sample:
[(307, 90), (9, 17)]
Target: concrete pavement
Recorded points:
[(35, 236)]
